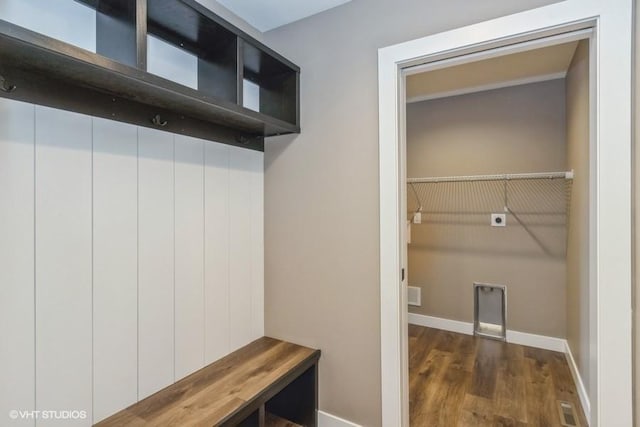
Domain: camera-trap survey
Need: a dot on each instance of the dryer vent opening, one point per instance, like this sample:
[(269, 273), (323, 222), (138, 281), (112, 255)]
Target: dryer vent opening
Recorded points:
[(490, 303)]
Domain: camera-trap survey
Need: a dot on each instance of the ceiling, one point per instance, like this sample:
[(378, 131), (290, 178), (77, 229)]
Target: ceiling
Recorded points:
[(266, 15), (508, 70)]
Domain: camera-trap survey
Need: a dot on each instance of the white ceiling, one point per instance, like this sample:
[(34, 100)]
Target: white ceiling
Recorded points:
[(266, 15), (509, 70)]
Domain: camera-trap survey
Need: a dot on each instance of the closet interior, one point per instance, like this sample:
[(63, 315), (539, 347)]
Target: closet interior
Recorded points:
[(498, 214)]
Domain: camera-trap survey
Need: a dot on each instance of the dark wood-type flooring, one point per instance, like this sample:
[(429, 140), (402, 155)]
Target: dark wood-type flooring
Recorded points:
[(461, 380)]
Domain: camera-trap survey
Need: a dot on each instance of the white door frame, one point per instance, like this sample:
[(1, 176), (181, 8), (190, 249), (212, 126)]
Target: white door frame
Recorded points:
[(611, 373)]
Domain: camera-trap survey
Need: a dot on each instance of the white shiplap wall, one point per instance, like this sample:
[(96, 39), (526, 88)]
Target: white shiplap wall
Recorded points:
[(115, 266), (130, 257), (156, 261), (17, 297), (189, 261), (63, 261)]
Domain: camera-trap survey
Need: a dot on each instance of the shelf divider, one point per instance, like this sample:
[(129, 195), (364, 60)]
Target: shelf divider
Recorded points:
[(116, 30), (141, 34)]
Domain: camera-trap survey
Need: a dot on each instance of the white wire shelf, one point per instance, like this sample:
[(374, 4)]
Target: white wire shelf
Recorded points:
[(499, 177)]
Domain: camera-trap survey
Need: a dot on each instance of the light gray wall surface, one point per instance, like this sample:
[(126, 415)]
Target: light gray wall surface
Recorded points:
[(578, 233), (517, 129), (321, 189), (637, 215)]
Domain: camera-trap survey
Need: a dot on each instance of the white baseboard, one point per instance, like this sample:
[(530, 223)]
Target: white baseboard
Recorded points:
[(577, 379), (325, 419), (515, 337), (439, 323), (537, 341)]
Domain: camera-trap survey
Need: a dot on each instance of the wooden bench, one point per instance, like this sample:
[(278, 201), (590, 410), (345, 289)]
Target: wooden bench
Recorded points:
[(266, 383)]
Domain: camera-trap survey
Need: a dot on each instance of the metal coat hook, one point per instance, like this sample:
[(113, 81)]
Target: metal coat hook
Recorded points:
[(6, 87), (157, 120), (245, 140)]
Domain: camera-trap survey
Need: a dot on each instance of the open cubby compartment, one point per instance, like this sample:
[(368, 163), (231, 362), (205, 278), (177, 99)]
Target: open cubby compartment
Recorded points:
[(116, 29), (211, 49), (70, 21), (90, 56), (253, 420), (297, 402), (278, 84), (293, 406)]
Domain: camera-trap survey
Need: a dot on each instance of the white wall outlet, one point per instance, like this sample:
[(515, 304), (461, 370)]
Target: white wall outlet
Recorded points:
[(498, 220), (417, 218)]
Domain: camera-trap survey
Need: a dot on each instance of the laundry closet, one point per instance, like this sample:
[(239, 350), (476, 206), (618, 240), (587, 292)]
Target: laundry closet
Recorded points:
[(498, 225)]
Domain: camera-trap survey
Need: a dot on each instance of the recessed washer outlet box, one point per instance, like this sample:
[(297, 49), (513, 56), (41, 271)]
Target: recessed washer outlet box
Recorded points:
[(414, 295), (498, 220)]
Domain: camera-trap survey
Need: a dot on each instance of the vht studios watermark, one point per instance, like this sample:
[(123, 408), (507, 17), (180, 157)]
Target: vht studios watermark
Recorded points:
[(22, 414)]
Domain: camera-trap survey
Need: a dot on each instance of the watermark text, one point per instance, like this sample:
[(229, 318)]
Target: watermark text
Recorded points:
[(71, 414)]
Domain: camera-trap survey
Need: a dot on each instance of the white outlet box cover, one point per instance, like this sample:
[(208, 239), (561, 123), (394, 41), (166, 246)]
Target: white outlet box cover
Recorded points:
[(414, 295), (498, 220), (417, 218)]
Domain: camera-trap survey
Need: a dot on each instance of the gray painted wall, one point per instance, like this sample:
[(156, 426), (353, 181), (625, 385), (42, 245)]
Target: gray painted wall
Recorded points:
[(321, 189), (578, 233), (637, 215), (517, 129)]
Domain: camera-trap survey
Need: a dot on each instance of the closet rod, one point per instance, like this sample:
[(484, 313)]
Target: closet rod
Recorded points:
[(502, 177)]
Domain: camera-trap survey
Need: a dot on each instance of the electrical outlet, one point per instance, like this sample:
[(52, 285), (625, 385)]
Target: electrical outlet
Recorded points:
[(417, 218), (498, 220)]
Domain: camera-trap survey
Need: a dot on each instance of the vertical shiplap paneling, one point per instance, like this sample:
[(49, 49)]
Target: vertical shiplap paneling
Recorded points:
[(240, 248), (115, 267), (216, 187), (63, 263), (155, 261), (257, 242), (189, 260), (17, 329)]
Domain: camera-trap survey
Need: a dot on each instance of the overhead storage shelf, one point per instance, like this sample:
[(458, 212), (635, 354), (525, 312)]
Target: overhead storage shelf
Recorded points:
[(531, 200), (498, 177), (476, 191), (115, 83)]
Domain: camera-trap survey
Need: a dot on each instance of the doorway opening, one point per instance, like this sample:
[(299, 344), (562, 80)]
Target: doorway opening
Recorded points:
[(498, 195), (609, 355)]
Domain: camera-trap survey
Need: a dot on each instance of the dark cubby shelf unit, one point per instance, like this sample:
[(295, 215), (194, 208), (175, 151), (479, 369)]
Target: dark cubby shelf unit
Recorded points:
[(278, 82), (114, 82)]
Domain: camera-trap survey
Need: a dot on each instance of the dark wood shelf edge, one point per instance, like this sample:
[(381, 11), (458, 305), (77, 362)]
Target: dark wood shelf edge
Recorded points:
[(254, 405), (246, 37), (53, 93), (27, 53)]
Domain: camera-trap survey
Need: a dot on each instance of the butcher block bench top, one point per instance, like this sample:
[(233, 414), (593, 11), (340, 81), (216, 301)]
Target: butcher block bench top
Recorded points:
[(220, 391)]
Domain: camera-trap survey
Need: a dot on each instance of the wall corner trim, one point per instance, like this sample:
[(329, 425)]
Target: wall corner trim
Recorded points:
[(577, 379), (326, 419)]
